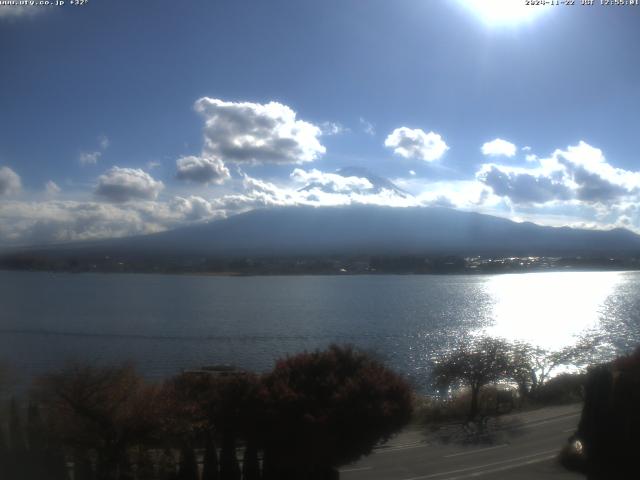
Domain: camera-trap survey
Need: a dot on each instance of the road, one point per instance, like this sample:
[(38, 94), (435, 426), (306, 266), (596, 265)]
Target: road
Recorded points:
[(517, 447)]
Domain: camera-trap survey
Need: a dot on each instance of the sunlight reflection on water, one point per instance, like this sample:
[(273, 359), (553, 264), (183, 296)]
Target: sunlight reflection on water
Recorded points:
[(164, 323), (549, 309)]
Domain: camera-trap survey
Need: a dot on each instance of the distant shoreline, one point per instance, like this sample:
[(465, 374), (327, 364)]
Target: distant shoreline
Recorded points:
[(327, 274)]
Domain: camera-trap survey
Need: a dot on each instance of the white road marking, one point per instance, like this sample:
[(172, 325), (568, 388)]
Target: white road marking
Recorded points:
[(551, 420), (502, 469), (359, 469), (471, 452), (476, 467), (397, 449)]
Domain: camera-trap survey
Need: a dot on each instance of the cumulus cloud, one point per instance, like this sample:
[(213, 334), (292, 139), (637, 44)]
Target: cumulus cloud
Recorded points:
[(125, 184), (10, 182), (579, 173), (499, 147), (53, 221), (194, 208), (415, 143), (463, 194), (51, 188), (257, 133), (202, 170), (524, 187), (331, 181), (321, 189)]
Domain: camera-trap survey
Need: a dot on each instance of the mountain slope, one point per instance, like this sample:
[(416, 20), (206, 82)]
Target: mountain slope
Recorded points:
[(370, 230)]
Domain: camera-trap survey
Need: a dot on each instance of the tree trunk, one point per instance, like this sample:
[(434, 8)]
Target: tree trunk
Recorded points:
[(269, 468), (145, 465), (475, 393), (188, 464), (210, 466), (251, 464), (229, 467), (82, 468)]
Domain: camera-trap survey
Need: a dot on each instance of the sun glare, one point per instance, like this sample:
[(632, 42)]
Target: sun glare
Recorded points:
[(503, 12), (549, 309)]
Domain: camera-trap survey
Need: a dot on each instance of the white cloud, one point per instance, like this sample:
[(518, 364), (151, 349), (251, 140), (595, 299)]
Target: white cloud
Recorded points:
[(89, 158), (125, 184), (522, 186), (415, 143), (367, 127), (51, 188), (322, 189), (104, 142), (462, 194), (412, 173), (580, 173), (23, 223), (202, 170), (195, 208), (333, 128), (256, 133), (331, 181), (526, 148), (499, 147), (152, 164), (10, 182)]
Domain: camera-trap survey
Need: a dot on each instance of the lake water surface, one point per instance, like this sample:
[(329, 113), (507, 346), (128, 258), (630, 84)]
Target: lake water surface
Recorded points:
[(165, 323)]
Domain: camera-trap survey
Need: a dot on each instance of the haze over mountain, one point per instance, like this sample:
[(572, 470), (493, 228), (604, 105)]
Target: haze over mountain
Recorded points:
[(301, 229), (365, 230)]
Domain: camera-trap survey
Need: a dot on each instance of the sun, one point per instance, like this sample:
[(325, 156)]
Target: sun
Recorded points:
[(504, 12)]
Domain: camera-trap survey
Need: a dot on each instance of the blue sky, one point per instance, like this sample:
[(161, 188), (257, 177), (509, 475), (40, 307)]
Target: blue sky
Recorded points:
[(122, 117)]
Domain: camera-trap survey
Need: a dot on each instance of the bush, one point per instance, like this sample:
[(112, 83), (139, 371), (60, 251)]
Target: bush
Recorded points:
[(433, 411), (329, 408), (562, 389)]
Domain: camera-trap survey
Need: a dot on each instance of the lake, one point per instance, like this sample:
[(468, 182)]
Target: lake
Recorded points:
[(165, 323)]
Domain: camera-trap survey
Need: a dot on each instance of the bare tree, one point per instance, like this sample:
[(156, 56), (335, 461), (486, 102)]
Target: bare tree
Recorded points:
[(474, 364), (534, 365)]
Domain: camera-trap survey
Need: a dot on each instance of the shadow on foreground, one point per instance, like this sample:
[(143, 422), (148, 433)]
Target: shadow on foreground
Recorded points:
[(607, 442)]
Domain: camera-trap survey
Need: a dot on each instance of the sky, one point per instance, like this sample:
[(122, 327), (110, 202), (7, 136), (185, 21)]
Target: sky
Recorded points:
[(121, 118)]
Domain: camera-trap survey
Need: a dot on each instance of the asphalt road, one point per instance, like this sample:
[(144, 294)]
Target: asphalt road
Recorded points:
[(515, 447)]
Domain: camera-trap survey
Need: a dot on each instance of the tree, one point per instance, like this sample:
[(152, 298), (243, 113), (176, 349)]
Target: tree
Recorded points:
[(203, 406), (187, 402), (475, 364), (534, 365), (210, 461), (251, 463), (328, 408), (237, 412), (16, 433), (188, 464), (107, 410)]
